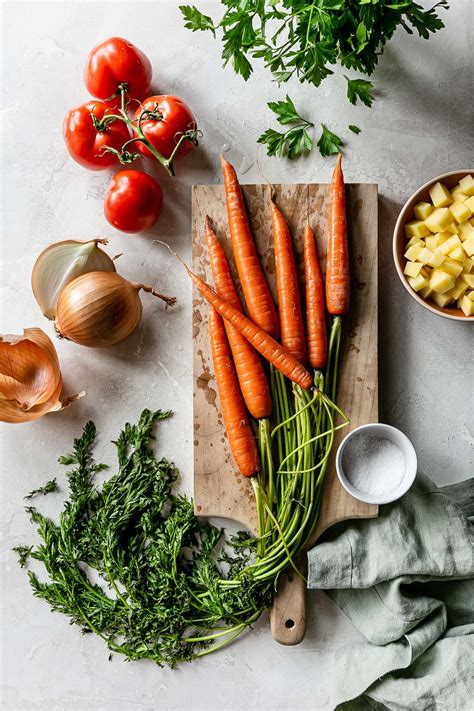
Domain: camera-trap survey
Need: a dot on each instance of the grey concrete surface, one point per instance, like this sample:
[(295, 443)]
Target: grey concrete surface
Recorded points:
[(420, 126)]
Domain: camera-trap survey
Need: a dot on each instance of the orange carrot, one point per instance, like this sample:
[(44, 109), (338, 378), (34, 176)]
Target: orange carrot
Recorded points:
[(250, 372), (241, 438), (256, 291), (337, 265), (291, 318), (270, 349), (315, 314)]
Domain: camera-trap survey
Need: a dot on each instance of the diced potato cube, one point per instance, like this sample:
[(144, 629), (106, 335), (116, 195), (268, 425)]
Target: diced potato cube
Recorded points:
[(467, 185), (458, 290), (453, 228), (416, 240), (425, 271), (466, 230), (450, 266), (449, 244), (412, 269), (469, 279), (467, 265), (470, 295), (413, 252), (457, 194), (430, 242), (434, 259), (422, 210), (460, 211), (440, 195), (418, 282), (416, 228), (439, 220), (458, 254), (468, 246), (467, 306), (441, 237), (470, 203), (441, 281), (426, 292), (442, 299)]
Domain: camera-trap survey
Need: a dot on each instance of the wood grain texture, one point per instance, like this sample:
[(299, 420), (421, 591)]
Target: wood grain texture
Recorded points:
[(218, 488)]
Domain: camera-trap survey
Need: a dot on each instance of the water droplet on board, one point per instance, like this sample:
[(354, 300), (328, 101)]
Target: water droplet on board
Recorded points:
[(225, 147)]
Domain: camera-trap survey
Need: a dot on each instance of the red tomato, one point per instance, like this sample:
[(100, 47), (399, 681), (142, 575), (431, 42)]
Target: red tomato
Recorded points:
[(116, 61), (85, 143), (163, 133), (133, 201)]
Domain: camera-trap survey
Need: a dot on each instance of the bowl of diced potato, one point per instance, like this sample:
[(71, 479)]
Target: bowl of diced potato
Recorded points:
[(433, 245)]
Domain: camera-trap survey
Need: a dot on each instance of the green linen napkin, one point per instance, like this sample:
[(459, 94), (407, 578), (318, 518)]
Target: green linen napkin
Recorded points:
[(406, 581)]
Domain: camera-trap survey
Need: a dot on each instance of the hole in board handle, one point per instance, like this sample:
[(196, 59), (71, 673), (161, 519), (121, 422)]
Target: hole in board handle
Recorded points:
[(289, 624)]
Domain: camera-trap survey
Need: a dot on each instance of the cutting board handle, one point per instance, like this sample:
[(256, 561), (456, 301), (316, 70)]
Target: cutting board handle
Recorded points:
[(288, 611)]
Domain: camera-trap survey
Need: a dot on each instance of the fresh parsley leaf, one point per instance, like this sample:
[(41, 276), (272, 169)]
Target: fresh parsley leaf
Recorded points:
[(328, 144), (293, 142), (196, 20), (285, 111), (359, 89), (48, 488), (354, 129)]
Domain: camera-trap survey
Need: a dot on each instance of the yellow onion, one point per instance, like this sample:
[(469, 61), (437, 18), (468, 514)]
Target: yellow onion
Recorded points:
[(100, 309), (30, 377), (61, 263)]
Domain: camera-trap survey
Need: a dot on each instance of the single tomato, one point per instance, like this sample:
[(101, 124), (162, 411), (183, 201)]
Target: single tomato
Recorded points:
[(116, 61), (172, 118), (133, 201), (85, 142)]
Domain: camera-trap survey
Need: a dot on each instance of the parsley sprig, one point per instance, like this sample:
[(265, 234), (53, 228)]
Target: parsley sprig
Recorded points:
[(307, 39), (295, 140)]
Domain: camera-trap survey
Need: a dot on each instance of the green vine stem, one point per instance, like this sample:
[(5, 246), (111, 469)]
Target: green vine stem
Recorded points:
[(124, 155)]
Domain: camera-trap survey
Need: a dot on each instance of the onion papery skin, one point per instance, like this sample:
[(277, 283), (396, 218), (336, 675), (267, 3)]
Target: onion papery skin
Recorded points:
[(61, 263), (98, 309)]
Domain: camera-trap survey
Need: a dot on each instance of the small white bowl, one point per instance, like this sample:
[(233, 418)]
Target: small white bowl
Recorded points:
[(395, 436)]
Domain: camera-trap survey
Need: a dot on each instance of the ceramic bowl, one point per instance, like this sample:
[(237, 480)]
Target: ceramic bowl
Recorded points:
[(391, 492), (399, 242)]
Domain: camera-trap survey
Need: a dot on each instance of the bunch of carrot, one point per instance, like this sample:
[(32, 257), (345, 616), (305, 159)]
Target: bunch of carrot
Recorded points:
[(296, 412)]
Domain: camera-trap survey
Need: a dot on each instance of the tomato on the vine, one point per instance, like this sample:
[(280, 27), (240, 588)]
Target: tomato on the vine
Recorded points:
[(170, 119), (133, 201), (86, 137), (117, 61)]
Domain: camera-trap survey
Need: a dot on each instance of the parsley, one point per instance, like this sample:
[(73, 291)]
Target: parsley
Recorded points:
[(359, 89), (306, 40), (328, 144), (48, 488), (293, 142), (354, 129)]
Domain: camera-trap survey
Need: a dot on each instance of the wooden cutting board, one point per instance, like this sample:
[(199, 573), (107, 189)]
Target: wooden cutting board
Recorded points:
[(219, 490)]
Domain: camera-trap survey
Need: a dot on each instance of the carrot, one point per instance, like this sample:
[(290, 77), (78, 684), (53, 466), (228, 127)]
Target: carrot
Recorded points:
[(291, 318), (256, 291), (250, 372), (337, 265), (315, 314), (270, 349), (240, 434)]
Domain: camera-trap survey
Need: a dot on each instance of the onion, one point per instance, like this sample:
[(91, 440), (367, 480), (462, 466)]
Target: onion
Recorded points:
[(60, 263), (100, 309), (30, 377)]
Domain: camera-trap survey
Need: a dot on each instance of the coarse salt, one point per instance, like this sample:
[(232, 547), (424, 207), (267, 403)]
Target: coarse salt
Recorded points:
[(373, 465)]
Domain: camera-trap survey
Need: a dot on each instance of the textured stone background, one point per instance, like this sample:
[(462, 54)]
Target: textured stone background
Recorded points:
[(419, 127)]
